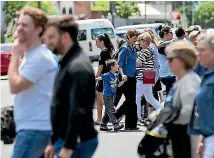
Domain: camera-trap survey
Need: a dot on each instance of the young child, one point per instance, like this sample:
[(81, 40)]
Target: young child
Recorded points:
[(111, 82)]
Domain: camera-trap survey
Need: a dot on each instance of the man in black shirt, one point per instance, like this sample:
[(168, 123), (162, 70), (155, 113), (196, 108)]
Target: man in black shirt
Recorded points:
[(74, 94)]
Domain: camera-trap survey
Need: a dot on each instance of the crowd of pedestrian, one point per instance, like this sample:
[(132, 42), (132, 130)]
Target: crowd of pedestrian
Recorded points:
[(55, 87), (146, 64)]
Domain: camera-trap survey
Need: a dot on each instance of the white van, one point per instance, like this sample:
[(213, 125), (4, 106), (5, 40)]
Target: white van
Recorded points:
[(89, 29), (120, 31)]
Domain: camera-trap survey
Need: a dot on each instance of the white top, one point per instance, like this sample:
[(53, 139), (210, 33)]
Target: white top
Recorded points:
[(32, 105)]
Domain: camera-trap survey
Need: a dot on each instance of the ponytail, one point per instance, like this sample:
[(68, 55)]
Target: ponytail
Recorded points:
[(108, 44)]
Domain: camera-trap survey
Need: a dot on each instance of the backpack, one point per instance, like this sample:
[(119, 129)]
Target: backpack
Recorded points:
[(8, 130)]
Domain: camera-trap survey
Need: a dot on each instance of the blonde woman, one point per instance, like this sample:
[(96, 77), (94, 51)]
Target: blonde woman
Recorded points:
[(146, 57), (181, 58)]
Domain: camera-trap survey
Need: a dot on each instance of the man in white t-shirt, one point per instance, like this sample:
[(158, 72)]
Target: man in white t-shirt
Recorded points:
[(32, 82)]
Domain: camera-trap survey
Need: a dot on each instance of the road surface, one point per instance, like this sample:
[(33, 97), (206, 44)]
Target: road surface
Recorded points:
[(111, 144)]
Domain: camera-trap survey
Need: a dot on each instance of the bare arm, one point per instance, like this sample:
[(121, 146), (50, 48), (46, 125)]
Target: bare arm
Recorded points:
[(16, 81), (121, 83), (99, 78), (100, 68)]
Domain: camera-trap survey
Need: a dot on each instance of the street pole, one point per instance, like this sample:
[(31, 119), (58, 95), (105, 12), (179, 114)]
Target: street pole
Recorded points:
[(145, 13), (112, 10), (193, 13), (165, 11), (184, 11), (39, 4)]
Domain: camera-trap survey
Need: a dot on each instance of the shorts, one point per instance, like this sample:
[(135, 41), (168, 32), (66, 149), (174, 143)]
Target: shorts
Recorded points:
[(99, 86), (157, 87)]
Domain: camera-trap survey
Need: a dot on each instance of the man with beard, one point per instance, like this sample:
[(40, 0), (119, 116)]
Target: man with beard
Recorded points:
[(31, 80), (74, 94)]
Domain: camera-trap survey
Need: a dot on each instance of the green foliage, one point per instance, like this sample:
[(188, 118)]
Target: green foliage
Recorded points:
[(11, 7), (124, 9), (204, 14)]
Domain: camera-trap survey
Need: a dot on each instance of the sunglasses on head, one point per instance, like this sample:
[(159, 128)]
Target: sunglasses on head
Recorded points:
[(197, 34)]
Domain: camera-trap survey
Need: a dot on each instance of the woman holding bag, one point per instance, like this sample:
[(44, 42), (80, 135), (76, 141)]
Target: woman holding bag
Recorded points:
[(181, 58), (145, 74)]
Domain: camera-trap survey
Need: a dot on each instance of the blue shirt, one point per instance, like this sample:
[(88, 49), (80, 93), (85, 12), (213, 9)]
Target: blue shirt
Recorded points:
[(110, 84), (32, 105), (200, 70), (205, 103), (164, 67), (127, 60)]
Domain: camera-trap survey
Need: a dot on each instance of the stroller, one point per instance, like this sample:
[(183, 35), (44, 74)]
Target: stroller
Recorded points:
[(8, 131)]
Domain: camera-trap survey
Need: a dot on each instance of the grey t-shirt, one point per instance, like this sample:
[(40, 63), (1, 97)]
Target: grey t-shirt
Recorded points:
[(183, 92)]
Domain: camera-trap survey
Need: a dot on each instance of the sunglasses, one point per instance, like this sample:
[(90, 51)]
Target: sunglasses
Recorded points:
[(197, 34)]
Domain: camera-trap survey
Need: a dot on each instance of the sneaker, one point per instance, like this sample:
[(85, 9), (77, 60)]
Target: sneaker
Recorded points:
[(105, 128), (97, 123), (142, 122), (117, 127), (139, 121)]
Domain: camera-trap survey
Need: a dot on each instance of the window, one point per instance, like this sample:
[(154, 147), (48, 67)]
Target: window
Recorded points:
[(70, 11), (109, 31), (82, 35), (121, 35), (63, 10)]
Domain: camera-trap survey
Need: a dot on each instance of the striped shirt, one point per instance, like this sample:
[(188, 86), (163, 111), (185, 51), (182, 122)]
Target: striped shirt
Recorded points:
[(146, 58)]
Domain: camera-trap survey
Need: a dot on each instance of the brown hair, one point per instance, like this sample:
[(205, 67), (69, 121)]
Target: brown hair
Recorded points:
[(183, 50), (145, 36), (110, 63), (65, 23), (39, 17), (130, 33), (154, 38)]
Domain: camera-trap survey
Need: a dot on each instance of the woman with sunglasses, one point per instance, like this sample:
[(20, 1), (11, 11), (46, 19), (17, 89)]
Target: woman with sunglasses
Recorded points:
[(104, 43), (167, 77), (157, 87), (181, 58), (145, 61)]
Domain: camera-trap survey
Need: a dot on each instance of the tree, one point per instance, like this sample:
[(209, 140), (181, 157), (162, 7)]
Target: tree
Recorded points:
[(124, 9), (11, 7), (204, 14)]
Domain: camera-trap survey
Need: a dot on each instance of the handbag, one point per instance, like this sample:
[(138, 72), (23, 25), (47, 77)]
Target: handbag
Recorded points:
[(149, 77), (155, 144)]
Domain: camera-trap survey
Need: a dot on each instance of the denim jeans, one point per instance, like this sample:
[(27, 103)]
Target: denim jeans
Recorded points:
[(30, 143), (83, 149), (209, 148)]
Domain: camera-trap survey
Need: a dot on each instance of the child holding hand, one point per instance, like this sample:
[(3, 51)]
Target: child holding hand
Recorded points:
[(111, 82)]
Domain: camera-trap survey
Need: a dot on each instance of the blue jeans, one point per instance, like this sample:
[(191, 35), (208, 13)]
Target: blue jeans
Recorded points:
[(83, 149), (30, 143)]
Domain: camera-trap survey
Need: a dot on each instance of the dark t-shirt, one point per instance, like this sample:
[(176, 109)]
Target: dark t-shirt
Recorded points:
[(104, 56)]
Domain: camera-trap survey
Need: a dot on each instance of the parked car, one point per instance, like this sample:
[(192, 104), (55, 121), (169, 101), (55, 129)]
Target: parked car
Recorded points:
[(5, 58), (120, 31)]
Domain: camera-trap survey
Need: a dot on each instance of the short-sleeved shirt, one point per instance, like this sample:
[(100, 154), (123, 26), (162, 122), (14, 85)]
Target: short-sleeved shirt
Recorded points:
[(111, 82), (104, 56), (32, 105)]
